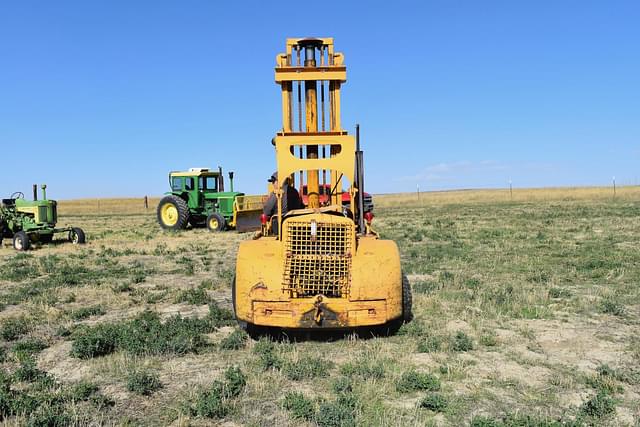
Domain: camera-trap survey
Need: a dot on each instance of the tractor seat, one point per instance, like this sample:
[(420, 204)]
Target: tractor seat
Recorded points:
[(9, 202)]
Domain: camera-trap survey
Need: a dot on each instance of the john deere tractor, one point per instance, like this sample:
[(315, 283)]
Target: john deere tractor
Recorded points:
[(28, 222), (197, 197), (321, 267)]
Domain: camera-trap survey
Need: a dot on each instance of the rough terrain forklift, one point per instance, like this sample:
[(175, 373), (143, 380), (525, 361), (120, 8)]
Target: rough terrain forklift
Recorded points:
[(321, 267)]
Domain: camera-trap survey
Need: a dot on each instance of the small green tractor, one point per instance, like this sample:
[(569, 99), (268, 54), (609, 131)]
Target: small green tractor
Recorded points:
[(197, 197), (28, 222)]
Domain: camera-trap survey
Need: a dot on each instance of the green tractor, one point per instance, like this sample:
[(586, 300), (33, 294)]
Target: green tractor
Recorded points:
[(28, 222), (197, 197)]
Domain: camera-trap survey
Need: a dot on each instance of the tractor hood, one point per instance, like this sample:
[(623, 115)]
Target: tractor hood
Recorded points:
[(224, 194)]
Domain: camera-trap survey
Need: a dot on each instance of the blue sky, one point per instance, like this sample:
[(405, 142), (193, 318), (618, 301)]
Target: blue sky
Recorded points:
[(103, 98)]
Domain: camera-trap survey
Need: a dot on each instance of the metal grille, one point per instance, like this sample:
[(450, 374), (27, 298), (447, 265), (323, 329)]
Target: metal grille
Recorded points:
[(320, 263), (42, 214)]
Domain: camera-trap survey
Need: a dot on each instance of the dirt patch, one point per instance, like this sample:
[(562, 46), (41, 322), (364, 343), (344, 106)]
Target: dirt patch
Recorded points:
[(575, 342), (57, 361)]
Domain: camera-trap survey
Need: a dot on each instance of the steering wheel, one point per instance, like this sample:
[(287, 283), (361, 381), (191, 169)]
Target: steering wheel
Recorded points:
[(17, 195)]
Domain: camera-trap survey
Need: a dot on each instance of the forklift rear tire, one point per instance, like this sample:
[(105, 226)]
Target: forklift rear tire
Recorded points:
[(173, 213), (21, 241), (243, 325), (76, 236), (407, 300), (216, 222)]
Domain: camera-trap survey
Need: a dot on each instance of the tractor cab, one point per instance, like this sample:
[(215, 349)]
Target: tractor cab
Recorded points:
[(194, 184)]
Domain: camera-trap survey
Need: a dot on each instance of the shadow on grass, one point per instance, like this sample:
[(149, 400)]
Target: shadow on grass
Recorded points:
[(321, 334)]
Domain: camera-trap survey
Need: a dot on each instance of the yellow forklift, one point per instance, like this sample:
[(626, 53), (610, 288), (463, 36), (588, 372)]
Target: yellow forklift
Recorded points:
[(323, 266)]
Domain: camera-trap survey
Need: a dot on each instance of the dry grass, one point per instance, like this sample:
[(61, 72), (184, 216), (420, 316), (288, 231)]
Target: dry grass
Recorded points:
[(526, 312), (503, 195), (98, 207)]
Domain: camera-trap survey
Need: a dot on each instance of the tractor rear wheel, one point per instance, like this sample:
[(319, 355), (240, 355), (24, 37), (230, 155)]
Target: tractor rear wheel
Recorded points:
[(173, 213), (76, 236), (407, 300), (216, 222), (21, 241)]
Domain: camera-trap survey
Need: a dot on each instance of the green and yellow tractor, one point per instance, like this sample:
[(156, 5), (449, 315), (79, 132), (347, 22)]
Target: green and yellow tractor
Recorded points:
[(198, 197), (34, 221)]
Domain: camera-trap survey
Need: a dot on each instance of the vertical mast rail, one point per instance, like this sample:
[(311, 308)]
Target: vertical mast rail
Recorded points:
[(310, 71)]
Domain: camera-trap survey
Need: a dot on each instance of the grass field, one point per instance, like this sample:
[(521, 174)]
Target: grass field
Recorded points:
[(527, 313)]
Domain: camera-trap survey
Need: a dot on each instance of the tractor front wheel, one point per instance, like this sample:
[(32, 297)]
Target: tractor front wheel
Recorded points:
[(21, 241), (76, 236), (173, 213), (216, 222)]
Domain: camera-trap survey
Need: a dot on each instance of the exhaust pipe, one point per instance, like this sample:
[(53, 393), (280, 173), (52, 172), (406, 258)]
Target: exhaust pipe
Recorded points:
[(231, 181), (220, 179), (359, 181), (35, 192)]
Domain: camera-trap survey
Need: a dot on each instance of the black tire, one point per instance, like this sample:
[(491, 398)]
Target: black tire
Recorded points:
[(243, 325), (181, 214), (407, 300), (76, 236), (216, 222), (21, 241), (45, 238)]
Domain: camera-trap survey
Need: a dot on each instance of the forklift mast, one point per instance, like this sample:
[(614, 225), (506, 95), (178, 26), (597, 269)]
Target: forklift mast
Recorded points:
[(312, 146)]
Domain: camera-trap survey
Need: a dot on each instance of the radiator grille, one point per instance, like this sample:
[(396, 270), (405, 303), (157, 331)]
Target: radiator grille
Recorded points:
[(42, 214), (319, 264)]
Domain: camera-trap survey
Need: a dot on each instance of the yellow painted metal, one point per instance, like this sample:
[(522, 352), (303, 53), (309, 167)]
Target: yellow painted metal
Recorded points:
[(374, 294), (169, 214), (249, 203), (192, 173), (213, 223), (311, 110), (247, 211), (319, 271), (342, 162), (290, 74), (287, 118)]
